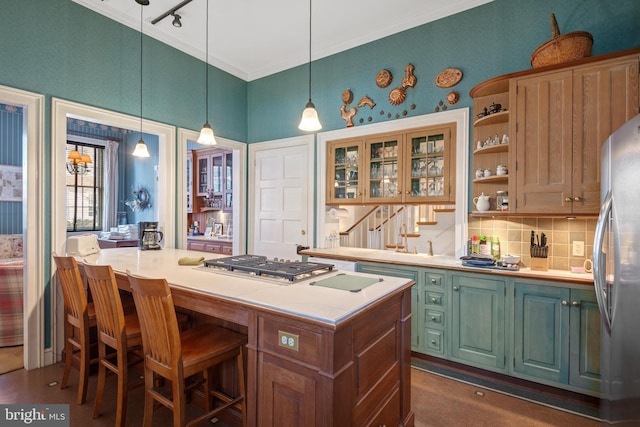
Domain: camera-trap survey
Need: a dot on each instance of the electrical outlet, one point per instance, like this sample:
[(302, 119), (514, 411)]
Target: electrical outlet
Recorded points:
[(578, 248), (288, 340)]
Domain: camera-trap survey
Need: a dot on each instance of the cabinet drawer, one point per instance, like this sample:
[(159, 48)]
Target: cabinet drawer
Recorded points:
[(434, 318), (434, 279), (434, 340), (227, 250), (434, 298)]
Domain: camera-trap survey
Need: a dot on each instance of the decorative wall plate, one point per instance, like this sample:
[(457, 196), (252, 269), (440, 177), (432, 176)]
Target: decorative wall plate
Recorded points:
[(365, 100), (347, 96), (383, 78), (409, 79), (397, 96), (453, 97), (448, 78)]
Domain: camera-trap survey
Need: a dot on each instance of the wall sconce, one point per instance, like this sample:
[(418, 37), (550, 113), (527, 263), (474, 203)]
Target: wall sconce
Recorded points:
[(78, 164)]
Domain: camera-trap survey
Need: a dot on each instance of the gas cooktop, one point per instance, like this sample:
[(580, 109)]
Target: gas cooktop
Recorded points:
[(258, 265)]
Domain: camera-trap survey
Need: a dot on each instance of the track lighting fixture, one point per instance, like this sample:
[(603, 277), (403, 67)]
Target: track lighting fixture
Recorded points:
[(171, 12)]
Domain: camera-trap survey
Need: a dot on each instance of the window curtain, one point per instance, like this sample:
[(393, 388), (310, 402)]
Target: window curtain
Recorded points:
[(110, 213)]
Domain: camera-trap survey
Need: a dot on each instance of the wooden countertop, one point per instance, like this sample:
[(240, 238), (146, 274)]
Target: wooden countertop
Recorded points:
[(441, 261), (310, 302)]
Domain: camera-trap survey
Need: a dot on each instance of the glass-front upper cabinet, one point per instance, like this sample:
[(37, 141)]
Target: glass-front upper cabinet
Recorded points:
[(411, 166), (384, 168), (344, 159), (429, 176), (203, 175)]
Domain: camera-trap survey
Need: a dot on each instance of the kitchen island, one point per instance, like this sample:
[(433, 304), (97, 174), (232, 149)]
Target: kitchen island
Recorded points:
[(316, 355)]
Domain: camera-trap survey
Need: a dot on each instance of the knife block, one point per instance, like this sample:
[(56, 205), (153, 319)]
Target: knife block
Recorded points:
[(540, 264)]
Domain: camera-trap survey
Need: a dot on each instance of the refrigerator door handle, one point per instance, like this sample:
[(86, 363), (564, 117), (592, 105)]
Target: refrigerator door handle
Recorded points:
[(599, 262)]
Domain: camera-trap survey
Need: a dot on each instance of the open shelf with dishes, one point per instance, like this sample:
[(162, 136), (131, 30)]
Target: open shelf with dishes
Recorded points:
[(490, 144)]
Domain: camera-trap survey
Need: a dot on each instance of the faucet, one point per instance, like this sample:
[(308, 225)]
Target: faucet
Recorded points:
[(403, 234), (430, 245)]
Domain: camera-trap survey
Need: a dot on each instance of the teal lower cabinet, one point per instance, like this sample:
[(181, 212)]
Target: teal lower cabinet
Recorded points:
[(478, 320), (541, 332), (434, 303), (407, 273), (584, 340), (556, 335)]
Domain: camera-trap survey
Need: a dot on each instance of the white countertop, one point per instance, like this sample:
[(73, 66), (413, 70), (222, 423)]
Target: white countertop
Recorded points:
[(440, 261), (299, 298)]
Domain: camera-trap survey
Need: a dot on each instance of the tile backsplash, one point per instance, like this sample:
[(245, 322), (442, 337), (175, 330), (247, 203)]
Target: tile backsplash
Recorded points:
[(514, 234)]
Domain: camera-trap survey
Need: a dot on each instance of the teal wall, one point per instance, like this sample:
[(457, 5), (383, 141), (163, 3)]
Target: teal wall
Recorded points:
[(60, 49), (488, 41)]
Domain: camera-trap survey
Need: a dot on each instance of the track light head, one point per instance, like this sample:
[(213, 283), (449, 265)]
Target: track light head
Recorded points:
[(176, 20), (143, 2)]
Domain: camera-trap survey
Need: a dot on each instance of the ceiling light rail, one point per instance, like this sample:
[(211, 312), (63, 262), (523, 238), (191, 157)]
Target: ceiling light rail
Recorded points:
[(172, 12)]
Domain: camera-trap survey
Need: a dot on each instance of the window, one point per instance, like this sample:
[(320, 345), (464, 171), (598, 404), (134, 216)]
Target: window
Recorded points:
[(85, 191)]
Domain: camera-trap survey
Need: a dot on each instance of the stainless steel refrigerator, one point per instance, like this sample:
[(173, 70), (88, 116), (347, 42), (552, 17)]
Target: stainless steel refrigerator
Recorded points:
[(616, 268)]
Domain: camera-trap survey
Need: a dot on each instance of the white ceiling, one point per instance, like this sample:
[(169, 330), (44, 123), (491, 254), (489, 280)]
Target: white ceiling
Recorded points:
[(255, 38)]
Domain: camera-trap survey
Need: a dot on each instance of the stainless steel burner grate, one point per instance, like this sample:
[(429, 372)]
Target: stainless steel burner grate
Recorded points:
[(260, 266)]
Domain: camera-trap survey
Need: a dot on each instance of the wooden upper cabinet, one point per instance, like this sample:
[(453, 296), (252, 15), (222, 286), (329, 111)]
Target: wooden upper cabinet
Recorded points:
[(605, 96), (429, 165), (414, 166), (384, 168), (543, 143), (561, 120), (344, 163)]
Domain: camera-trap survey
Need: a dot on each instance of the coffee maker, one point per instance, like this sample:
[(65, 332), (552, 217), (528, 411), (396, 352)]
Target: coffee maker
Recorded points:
[(149, 237)]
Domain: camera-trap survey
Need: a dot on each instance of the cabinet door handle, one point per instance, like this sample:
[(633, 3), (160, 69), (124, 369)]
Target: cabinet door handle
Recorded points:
[(455, 288), (433, 280), (565, 302), (433, 318), (577, 198), (575, 303), (433, 299), (433, 342), (568, 199)]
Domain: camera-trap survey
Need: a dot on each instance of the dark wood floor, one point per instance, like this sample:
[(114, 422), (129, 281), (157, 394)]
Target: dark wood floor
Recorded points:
[(436, 401)]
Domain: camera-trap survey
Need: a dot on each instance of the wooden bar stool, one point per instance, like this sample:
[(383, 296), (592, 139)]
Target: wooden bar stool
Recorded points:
[(116, 330), (79, 317), (176, 355)]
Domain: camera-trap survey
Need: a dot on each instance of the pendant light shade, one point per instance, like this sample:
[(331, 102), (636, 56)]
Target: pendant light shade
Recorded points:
[(141, 148), (206, 133), (310, 121)]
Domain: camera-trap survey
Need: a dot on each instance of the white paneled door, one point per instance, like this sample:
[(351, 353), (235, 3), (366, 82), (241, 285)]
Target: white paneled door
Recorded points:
[(281, 197)]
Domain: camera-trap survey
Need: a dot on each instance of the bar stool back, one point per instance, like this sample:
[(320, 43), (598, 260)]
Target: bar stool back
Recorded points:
[(117, 331), (177, 355), (79, 317)]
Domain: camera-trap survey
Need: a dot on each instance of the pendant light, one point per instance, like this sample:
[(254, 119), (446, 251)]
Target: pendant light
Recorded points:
[(310, 121), (141, 148), (206, 134)]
